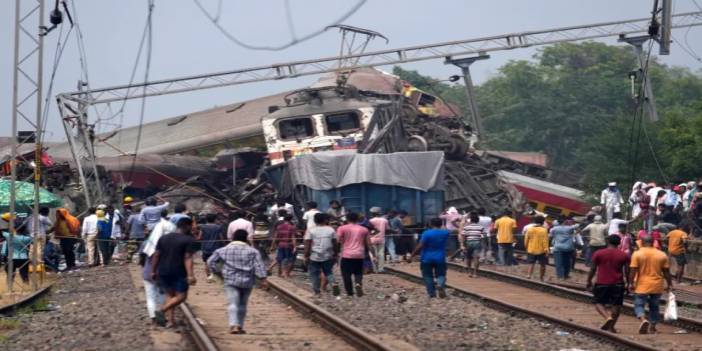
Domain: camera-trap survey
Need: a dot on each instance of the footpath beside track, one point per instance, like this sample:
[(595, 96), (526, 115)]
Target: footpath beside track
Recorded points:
[(569, 313)]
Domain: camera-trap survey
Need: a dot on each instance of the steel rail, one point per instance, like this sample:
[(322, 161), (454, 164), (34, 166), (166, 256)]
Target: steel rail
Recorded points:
[(507, 307), (202, 340), (355, 336), (12, 307), (628, 309)]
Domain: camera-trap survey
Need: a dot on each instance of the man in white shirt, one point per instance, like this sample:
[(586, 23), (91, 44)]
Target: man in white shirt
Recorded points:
[(89, 233), (491, 245), (611, 199), (280, 205), (615, 222), (239, 222), (308, 217)]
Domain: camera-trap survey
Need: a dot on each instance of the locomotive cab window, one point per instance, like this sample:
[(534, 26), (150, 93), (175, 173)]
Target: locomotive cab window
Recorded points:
[(296, 128), (342, 122)]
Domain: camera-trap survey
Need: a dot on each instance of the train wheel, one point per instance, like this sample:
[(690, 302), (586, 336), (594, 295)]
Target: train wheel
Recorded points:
[(417, 143)]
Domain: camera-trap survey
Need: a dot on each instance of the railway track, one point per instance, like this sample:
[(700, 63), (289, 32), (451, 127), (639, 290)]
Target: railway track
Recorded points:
[(277, 319), (570, 309), (690, 295)]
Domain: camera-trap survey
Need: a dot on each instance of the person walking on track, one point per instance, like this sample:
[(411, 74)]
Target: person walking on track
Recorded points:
[(172, 265), (649, 268), (612, 267), (321, 252), (242, 264), (432, 244), (355, 242)]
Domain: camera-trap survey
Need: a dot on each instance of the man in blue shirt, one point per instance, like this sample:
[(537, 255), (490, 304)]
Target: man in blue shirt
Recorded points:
[(433, 259)]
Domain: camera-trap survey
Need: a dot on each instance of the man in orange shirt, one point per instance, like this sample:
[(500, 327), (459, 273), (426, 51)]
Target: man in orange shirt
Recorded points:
[(649, 267), (504, 227), (677, 248)]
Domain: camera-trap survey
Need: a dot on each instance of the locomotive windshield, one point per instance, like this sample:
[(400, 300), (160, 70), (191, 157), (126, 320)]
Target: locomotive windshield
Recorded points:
[(342, 122), (296, 128)]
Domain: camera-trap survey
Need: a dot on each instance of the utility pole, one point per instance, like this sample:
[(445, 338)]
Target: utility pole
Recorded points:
[(475, 122), (27, 87), (649, 99)]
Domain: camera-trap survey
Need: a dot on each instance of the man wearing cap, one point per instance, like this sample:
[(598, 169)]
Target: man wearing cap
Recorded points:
[(380, 227), (611, 199), (597, 232), (649, 268)]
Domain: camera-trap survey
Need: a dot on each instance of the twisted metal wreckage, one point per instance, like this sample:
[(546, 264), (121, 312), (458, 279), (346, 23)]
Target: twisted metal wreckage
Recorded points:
[(394, 118)]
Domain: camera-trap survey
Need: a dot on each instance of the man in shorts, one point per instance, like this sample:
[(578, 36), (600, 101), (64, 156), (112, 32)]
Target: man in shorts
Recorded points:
[(284, 243), (471, 238), (536, 244), (612, 267), (677, 248), (172, 267)]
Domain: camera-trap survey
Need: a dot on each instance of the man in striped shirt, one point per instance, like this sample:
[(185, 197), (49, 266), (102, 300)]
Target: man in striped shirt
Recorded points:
[(471, 239)]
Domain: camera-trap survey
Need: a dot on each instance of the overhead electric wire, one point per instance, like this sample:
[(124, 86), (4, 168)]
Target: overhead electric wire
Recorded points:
[(149, 47), (58, 53), (237, 41)]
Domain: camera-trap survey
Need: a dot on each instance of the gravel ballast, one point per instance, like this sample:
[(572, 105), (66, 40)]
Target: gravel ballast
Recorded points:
[(88, 309), (402, 309)]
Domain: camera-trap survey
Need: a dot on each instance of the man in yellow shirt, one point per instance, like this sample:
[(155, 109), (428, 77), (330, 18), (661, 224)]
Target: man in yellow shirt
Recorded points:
[(677, 248), (649, 267), (504, 227), (536, 244)]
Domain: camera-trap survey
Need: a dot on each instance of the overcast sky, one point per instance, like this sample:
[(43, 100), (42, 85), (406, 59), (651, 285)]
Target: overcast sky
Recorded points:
[(185, 42)]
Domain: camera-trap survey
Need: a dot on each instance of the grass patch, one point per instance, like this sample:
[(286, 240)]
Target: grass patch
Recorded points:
[(9, 324), (39, 305)]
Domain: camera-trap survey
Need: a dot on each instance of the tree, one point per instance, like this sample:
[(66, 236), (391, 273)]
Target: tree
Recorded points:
[(573, 103)]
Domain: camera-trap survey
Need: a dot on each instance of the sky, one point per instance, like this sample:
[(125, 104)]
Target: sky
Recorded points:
[(185, 42)]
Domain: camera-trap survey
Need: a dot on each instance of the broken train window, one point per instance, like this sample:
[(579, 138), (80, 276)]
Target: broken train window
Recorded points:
[(340, 122), (296, 128)]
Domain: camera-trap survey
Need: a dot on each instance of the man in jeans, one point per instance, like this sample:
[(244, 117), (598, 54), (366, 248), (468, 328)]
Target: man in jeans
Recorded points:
[(355, 242), (380, 227), (321, 252), (242, 264), (612, 267), (432, 244), (504, 228), (596, 232), (649, 267)]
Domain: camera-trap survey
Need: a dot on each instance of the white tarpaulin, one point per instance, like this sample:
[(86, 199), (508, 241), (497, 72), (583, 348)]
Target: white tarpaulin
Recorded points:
[(333, 169)]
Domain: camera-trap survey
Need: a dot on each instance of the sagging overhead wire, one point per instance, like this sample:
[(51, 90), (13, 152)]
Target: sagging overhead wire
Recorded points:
[(149, 47), (215, 21)]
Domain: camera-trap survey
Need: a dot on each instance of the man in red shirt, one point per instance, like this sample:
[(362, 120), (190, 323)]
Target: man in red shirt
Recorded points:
[(612, 267), (284, 245), (355, 243)]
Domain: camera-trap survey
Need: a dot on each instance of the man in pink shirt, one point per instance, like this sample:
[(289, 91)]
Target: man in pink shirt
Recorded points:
[(239, 222), (380, 226), (354, 240)]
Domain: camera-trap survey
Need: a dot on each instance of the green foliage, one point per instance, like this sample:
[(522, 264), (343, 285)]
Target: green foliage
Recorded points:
[(573, 102)]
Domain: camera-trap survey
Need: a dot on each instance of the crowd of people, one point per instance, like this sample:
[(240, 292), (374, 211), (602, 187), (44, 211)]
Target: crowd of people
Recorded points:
[(624, 252)]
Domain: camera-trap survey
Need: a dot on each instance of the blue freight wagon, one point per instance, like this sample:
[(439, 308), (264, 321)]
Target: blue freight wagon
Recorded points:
[(410, 181)]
